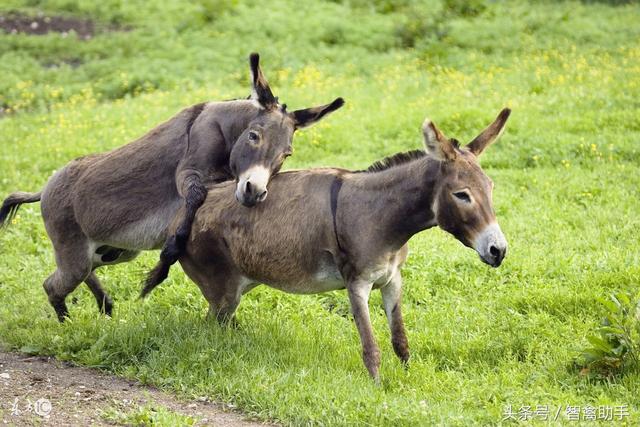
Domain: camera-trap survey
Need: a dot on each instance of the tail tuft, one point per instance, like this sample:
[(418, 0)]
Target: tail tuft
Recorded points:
[(155, 277), (168, 256), (12, 203)]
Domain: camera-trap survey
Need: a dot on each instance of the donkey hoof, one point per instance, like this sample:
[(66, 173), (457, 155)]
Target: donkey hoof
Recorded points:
[(61, 311), (376, 381), (230, 322), (62, 316), (405, 360), (107, 308), (105, 305), (224, 320)]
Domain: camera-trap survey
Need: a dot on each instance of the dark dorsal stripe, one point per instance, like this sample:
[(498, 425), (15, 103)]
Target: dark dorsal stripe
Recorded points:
[(395, 160)]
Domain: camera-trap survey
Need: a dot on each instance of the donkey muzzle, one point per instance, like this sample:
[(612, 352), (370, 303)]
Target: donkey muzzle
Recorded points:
[(251, 188), (491, 245)]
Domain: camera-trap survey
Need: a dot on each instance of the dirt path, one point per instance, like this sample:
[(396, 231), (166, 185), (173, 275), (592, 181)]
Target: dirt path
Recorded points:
[(44, 391)]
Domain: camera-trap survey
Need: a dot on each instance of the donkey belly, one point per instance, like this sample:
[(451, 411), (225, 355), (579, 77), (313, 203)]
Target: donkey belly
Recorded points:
[(327, 277), (312, 285), (324, 277), (147, 233), (108, 255)]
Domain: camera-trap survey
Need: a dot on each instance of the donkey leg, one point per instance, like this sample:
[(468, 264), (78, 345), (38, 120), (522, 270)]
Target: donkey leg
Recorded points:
[(220, 285), (74, 266), (359, 298), (106, 255), (223, 313), (228, 292), (61, 283), (105, 304), (195, 193), (194, 197), (391, 298)]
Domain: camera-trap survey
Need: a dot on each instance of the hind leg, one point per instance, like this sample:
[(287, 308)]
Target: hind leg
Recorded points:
[(62, 282), (220, 285), (74, 266), (106, 255), (105, 304), (223, 307), (223, 295)]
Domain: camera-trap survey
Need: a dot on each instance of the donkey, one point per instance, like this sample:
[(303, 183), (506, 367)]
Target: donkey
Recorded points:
[(105, 208), (327, 229)]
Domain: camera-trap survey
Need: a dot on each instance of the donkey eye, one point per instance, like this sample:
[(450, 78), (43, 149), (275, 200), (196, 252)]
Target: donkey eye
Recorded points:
[(253, 136), (462, 195)]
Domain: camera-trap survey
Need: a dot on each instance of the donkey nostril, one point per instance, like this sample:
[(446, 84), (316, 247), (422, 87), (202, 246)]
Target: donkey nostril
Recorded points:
[(262, 196), (495, 252), (247, 187)]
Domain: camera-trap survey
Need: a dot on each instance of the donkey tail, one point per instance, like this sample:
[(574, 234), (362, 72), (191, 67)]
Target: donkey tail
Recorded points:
[(12, 203), (155, 277), (168, 256)]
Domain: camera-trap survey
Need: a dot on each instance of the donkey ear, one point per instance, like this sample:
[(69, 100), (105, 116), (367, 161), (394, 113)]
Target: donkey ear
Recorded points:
[(437, 145), (261, 91), (490, 134), (309, 116)]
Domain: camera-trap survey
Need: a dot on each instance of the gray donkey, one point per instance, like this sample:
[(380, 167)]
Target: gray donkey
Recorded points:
[(106, 208), (327, 229)]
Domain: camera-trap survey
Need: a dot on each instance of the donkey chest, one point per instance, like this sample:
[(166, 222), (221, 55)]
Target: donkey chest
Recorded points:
[(381, 272)]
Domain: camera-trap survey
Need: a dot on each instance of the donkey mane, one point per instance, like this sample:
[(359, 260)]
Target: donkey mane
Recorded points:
[(395, 160), (283, 107)]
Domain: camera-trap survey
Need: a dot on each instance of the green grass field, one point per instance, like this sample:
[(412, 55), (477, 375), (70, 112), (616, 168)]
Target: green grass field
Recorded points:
[(567, 197)]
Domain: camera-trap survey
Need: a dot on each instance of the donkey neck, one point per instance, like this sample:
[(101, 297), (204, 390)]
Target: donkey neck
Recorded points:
[(398, 200)]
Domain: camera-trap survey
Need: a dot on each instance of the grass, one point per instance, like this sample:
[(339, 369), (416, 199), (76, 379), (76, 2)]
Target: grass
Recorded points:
[(146, 416), (567, 198)]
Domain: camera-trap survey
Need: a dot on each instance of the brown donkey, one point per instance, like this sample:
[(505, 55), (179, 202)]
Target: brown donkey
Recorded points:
[(106, 208), (326, 229)]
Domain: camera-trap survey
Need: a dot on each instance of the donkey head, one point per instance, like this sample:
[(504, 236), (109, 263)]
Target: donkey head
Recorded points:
[(463, 203), (263, 146)]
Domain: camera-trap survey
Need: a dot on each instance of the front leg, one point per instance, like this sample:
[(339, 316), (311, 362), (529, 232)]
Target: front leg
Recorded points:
[(359, 297), (194, 193), (391, 298)]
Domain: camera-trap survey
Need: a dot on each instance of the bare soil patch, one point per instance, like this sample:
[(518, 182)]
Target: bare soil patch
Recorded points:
[(14, 23), (45, 391)]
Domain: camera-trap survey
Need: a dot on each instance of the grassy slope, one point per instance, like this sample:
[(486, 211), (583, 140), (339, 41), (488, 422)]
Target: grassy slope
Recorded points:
[(566, 174)]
